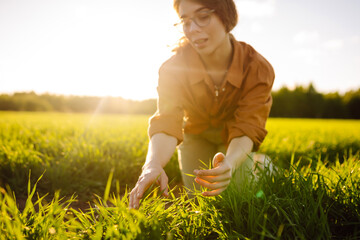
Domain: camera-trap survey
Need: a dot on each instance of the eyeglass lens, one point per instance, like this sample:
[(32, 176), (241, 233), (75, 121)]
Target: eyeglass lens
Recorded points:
[(201, 19)]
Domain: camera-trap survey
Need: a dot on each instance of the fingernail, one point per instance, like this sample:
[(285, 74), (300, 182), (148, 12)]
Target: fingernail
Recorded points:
[(196, 172)]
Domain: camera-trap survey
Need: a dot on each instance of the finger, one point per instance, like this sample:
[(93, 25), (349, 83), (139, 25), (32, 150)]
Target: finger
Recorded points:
[(219, 157), (163, 184), (132, 198), (142, 187), (136, 203), (214, 192), (212, 186), (212, 172), (219, 178)]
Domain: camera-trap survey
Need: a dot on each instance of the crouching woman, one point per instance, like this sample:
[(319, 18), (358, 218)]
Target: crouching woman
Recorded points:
[(214, 97)]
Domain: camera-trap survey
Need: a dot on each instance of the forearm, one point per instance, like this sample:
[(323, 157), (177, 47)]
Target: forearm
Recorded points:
[(161, 148), (238, 150)]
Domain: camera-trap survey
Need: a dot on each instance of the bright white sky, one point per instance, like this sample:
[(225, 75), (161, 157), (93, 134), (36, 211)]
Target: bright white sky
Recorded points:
[(115, 47)]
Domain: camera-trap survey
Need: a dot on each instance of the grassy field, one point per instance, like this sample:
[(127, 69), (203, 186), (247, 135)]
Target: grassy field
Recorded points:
[(90, 161)]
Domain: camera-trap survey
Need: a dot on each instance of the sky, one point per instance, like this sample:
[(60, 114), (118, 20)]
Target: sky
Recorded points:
[(115, 47)]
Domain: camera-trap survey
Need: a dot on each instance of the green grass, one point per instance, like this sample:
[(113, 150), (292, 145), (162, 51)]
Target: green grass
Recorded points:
[(95, 159), (77, 151), (310, 139)]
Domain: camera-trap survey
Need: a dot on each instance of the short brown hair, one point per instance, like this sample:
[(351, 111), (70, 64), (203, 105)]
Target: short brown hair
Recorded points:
[(224, 9)]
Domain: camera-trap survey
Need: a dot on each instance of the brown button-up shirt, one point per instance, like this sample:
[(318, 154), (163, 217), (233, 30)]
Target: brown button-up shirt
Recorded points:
[(188, 95)]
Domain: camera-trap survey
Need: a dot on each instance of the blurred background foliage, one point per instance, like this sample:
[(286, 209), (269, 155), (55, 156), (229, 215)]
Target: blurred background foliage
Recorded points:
[(300, 102)]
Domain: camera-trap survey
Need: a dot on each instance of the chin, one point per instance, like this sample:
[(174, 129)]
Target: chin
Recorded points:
[(204, 51)]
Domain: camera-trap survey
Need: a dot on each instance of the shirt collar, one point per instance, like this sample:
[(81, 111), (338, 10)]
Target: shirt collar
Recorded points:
[(197, 70), (236, 69)]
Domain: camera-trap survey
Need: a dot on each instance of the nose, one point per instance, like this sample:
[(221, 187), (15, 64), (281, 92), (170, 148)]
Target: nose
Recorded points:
[(194, 27)]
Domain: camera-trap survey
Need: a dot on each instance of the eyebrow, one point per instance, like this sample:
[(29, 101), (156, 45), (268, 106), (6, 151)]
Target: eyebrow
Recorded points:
[(196, 11)]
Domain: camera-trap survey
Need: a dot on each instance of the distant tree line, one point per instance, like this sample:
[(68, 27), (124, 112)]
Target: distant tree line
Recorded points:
[(30, 101), (306, 102), (301, 102)]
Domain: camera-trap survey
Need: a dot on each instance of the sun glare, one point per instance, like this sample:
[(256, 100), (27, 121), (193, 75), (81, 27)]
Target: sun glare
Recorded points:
[(115, 48), (89, 49)]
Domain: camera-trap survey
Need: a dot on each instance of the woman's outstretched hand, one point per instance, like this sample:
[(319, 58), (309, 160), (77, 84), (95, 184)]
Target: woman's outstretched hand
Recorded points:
[(216, 179), (149, 175)]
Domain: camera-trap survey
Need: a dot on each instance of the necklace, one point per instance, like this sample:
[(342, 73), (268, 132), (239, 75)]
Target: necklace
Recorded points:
[(217, 85), (218, 77)]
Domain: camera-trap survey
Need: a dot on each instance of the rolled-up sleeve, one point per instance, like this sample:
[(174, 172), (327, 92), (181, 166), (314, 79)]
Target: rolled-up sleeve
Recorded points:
[(168, 118), (254, 106)]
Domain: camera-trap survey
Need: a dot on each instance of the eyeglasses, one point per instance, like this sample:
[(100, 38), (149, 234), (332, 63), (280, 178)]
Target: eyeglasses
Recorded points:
[(201, 19)]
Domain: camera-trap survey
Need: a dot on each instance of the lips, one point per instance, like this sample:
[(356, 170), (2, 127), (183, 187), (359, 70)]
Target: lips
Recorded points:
[(200, 43)]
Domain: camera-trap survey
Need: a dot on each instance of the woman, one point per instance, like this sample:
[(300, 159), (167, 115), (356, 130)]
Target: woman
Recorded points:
[(214, 97)]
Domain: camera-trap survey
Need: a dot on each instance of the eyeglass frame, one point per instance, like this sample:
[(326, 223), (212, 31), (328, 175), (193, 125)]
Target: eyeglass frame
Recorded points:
[(193, 19)]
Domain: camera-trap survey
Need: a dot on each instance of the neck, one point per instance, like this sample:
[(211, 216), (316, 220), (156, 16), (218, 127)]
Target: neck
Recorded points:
[(220, 59)]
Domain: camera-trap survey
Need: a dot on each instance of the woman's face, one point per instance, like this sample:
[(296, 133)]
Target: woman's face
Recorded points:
[(207, 39)]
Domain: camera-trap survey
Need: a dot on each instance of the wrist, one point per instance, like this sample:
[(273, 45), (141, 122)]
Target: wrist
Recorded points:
[(151, 165), (231, 164), (238, 151), (235, 162)]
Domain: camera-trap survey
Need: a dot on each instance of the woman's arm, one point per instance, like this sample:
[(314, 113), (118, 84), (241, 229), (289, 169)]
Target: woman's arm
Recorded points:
[(218, 178), (161, 148), (238, 151)]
